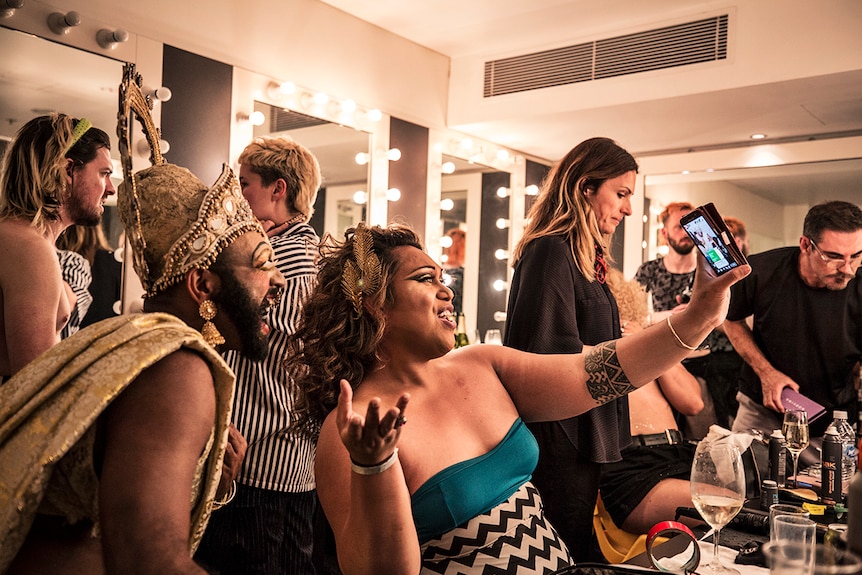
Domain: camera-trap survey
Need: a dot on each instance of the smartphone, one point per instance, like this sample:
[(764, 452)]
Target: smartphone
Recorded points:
[(709, 233)]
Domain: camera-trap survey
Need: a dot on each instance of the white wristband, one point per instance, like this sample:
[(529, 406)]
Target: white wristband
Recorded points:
[(375, 469)]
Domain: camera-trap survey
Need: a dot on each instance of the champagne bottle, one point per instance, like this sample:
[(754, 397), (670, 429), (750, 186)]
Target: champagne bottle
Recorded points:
[(461, 332)]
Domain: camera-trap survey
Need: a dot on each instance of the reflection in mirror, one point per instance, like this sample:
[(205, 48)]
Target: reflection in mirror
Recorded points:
[(45, 77), (460, 207), (772, 201), (342, 200)]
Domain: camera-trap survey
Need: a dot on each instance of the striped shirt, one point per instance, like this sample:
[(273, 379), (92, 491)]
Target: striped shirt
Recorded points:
[(76, 272), (276, 459)]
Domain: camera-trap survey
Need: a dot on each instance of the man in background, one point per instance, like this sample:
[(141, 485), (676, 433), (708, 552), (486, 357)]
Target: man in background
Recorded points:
[(57, 172), (269, 527), (807, 327)]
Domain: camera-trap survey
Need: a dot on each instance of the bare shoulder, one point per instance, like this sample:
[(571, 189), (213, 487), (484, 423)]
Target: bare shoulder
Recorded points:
[(25, 249), (180, 383)]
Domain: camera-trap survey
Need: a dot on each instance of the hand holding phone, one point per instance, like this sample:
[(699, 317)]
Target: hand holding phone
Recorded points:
[(708, 231)]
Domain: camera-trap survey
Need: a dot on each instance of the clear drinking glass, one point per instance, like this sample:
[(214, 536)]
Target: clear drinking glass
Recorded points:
[(718, 492), (494, 337), (795, 429)]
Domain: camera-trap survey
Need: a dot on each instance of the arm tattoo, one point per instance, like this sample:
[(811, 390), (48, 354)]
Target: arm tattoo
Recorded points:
[(606, 380)]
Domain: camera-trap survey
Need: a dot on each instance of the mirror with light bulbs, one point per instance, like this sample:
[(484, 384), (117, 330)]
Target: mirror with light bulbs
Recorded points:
[(45, 77)]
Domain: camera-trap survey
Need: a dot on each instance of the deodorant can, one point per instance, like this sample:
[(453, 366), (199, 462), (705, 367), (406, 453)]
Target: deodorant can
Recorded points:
[(831, 460), (777, 458), (768, 494)]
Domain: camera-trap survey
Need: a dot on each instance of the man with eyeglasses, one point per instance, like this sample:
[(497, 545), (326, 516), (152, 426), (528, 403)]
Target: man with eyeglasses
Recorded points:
[(807, 326)]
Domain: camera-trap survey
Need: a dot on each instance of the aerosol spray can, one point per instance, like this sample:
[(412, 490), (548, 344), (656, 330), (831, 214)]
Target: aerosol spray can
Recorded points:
[(778, 458), (831, 461)]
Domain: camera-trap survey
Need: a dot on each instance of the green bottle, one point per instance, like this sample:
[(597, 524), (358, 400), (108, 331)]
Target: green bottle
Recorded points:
[(461, 333)]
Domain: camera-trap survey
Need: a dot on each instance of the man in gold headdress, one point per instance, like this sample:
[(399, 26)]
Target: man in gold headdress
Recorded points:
[(57, 173), (111, 443)]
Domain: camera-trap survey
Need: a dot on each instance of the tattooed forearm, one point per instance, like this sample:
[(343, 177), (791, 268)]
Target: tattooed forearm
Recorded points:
[(606, 380)]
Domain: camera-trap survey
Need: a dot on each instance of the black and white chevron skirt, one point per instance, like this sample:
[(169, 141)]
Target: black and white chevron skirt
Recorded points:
[(514, 538)]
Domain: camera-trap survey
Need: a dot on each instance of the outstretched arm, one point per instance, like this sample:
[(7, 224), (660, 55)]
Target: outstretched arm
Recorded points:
[(370, 512), (772, 381), (552, 387)]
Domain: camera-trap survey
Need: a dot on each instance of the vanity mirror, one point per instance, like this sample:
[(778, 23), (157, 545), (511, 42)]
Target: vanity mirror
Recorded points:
[(45, 77), (772, 201), (342, 200)]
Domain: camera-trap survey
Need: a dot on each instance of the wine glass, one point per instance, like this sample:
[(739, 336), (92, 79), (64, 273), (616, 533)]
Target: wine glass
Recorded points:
[(717, 491), (795, 429)]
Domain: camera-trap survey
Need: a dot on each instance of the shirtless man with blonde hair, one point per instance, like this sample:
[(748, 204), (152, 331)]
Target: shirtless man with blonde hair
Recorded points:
[(56, 173)]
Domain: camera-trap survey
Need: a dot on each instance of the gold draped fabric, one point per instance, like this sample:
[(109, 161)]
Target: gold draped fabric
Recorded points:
[(48, 411)]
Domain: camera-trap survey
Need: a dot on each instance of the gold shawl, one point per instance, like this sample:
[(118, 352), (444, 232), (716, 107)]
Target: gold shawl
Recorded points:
[(47, 409)]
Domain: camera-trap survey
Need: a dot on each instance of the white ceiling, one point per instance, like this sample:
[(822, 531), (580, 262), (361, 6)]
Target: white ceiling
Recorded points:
[(804, 108)]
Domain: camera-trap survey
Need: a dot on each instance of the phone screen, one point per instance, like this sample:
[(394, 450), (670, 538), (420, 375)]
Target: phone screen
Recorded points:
[(710, 244)]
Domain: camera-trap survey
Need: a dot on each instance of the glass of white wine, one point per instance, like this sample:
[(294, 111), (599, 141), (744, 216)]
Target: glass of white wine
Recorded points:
[(795, 429), (718, 492)]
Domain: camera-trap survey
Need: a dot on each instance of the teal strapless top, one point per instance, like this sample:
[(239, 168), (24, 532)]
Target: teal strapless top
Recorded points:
[(470, 488)]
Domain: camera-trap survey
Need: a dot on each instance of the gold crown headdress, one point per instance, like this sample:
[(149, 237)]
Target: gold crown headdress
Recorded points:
[(173, 221), (365, 275)]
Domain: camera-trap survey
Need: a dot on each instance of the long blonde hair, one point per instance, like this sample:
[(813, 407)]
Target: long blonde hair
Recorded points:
[(562, 207), (33, 176)]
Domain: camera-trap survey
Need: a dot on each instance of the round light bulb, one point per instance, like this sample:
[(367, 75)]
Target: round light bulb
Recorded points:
[(446, 204), (502, 192), (448, 168), (348, 106), (360, 197), (374, 115), (532, 190), (501, 254), (393, 194), (499, 285), (362, 158), (502, 223), (393, 155), (446, 242), (257, 118)]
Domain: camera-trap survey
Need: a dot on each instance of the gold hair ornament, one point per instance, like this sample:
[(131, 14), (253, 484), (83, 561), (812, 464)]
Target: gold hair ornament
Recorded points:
[(80, 129), (208, 311), (364, 276)]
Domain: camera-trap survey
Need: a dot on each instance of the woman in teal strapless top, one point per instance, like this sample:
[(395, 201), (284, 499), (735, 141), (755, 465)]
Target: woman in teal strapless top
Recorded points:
[(449, 491)]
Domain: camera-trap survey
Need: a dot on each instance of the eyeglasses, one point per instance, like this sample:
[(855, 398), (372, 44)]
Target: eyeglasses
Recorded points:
[(835, 260)]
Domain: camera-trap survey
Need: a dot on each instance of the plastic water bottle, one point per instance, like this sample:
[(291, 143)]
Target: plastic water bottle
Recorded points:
[(848, 439), (831, 462)]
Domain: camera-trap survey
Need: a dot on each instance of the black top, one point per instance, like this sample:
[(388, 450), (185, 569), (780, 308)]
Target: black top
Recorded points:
[(554, 309), (812, 335)]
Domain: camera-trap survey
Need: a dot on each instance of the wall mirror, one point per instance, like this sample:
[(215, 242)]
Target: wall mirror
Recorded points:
[(772, 201), (470, 173), (45, 77), (342, 200)]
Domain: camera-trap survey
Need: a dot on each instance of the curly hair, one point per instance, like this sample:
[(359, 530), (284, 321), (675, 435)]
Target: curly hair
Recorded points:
[(33, 175), (332, 342), (281, 158), (562, 207), (631, 296)]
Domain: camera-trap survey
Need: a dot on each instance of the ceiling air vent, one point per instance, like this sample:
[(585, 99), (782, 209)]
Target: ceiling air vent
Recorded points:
[(283, 120), (668, 47)]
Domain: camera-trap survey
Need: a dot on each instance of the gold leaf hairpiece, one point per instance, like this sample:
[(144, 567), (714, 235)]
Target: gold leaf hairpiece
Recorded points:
[(365, 275), (79, 130)]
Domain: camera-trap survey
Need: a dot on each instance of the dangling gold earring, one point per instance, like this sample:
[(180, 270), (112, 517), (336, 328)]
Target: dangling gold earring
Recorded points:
[(208, 311)]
